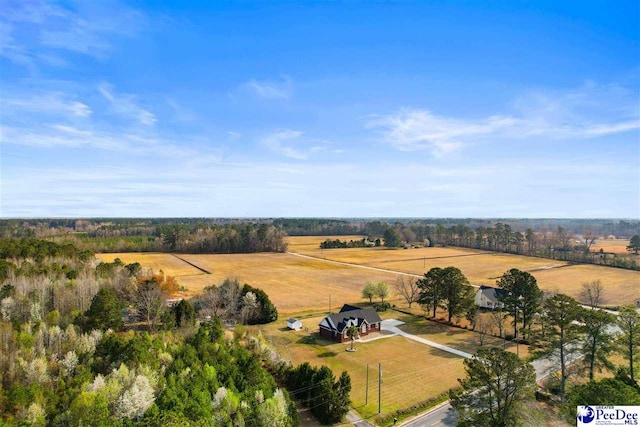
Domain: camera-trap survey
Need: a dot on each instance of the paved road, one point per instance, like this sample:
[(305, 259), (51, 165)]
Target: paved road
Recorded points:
[(444, 415)]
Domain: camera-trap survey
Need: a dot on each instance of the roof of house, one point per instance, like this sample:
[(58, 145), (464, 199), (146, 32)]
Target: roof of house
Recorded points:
[(350, 315), (292, 320), (491, 293)]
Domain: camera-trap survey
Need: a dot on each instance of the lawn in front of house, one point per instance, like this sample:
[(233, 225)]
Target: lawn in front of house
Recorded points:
[(412, 372)]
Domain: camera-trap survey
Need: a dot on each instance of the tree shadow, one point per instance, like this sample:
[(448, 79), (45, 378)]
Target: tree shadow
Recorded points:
[(328, 354)]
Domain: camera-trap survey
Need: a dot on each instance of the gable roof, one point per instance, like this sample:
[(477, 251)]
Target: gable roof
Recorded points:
[(350, 315), (491, 293)]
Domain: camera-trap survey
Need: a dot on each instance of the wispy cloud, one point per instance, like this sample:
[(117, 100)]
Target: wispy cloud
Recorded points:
[(32, 31), (411, 129), (50, 103), (62, 135), (590, 111), (269, 89), (126, 106), (279, 142)]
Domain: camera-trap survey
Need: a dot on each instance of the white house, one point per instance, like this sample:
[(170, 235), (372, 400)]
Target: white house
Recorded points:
[(294, 324), (487, 297)]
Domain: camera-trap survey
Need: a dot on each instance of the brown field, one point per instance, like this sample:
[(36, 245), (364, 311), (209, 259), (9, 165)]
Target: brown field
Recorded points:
[(311, 243), (621, 287), (296, 283), (616, 246), (412, 372), (293, 283), (168, 263)]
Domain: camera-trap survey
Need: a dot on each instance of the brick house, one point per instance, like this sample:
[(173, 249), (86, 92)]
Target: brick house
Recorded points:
[(334, 326)]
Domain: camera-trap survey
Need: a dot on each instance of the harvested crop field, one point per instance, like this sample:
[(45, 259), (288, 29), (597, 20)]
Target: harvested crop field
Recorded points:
[(306, 280), (170, 264), (293, 283)]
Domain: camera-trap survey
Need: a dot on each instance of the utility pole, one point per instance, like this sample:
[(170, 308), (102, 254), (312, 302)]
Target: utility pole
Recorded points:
[(366, 390), (379, 388)]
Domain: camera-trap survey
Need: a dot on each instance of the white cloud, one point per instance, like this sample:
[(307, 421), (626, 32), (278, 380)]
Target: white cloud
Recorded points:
[(269, 89), (50, 103), (590, 111), (126, 105), (277, 140), (289, 189), (31, 30), (410, 130)]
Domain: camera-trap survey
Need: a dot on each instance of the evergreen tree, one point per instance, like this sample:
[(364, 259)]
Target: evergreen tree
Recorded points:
[(521, 297), (105, 312), (497, 383), (634, 244), (185, 314)]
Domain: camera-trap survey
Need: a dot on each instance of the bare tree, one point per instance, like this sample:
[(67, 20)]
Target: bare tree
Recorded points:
[(589, 237), (484, 325), (497, 320), (212, 302), (150, 302), (408, 288), (230, 292), (591, 293)]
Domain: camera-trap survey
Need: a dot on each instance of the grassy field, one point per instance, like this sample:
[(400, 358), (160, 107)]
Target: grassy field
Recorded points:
[(616, 246), (412, 372), (297, 284), (293, 283), (168, 263), (620, 286)]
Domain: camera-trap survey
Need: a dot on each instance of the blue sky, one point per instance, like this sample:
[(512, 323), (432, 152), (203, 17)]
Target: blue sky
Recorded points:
[(341, 109)]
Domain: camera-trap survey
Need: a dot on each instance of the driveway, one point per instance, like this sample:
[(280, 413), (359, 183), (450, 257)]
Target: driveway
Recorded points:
[(391, 325)]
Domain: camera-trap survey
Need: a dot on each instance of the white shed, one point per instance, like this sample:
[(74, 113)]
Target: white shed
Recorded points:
[(294, 324)]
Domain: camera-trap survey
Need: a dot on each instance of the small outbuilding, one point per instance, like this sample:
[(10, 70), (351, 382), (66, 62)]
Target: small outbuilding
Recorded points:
[(295, 324)]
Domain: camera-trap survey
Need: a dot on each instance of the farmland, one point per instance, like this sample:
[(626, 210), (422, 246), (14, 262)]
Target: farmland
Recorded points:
[(620, 286), (616, 246), (412, 372), (296, 283), (293, 283)]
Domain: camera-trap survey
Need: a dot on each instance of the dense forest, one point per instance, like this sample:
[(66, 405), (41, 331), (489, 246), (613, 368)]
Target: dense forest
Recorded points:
[(127, 227), (84, 342)]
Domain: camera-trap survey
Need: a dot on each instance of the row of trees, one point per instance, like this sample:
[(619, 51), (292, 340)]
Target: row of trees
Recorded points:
[(337, 243), (556, 244)]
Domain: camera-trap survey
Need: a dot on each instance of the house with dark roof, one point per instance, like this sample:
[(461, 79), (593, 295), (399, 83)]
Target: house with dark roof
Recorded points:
[(487, 297), (334, 326)]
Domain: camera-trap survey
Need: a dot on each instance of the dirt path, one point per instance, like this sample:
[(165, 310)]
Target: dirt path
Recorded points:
[(348, 264)]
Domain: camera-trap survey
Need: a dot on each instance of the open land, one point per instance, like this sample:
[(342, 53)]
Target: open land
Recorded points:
[(297, 283), (412, 372), (480, 267), (616, 246)]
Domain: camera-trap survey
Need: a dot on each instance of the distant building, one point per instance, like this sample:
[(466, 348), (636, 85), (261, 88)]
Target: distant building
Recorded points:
[(334, 326), (295, 324), (487, 297)]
